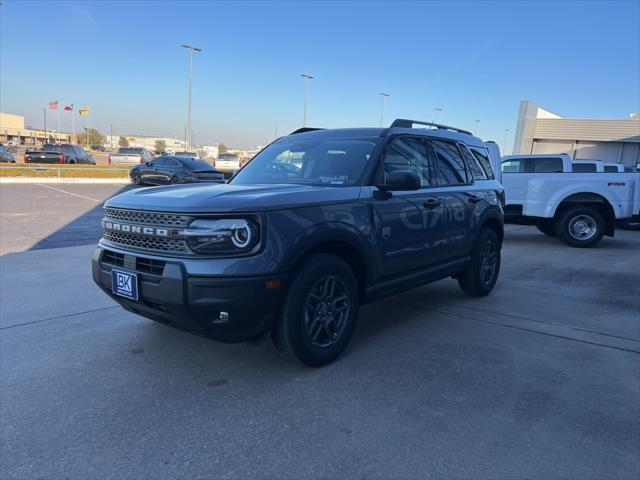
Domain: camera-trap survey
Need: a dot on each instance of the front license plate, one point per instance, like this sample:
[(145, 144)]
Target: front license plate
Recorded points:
[(124, 284)]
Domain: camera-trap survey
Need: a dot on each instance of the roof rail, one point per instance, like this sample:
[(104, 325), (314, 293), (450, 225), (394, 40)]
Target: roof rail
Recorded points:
[(404, 123), (305, 129)]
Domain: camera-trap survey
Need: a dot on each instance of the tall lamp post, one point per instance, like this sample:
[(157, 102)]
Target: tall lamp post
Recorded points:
[(384, 96), (191, 49), (504, 144), (437, 110), (306, 94), (477, 127)]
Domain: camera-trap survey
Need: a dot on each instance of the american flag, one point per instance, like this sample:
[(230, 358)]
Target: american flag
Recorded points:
[(53, 105)]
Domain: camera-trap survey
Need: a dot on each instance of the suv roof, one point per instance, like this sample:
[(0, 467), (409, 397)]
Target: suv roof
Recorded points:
[(399, 126)]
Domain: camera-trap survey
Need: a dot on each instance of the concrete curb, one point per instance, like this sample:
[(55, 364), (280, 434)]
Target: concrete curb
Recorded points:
[(17, 180)]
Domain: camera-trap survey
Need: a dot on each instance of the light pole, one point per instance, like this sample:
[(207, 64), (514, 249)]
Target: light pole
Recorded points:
[(306, 94), (384, 96), (504, 144), (477, 127), (437, 110), (191, 48)]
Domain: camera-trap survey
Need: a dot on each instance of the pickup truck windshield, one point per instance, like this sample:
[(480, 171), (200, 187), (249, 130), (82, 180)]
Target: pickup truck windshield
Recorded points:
[(133, 150), (313, 161)]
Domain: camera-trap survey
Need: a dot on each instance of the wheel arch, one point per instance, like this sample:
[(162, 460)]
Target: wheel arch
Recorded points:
[(590, 199), (343, 243)]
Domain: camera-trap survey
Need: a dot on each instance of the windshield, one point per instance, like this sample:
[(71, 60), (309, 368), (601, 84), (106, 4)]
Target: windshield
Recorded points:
[(313, 161), (137, 151)]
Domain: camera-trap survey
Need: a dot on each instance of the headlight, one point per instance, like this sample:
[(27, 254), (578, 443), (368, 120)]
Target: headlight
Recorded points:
[(222, 236)]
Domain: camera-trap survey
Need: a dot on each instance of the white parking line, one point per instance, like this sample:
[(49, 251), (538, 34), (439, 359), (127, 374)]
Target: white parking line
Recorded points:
[(69, 193)]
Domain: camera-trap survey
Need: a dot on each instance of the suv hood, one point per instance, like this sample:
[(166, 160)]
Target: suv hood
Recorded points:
[(214, 198)]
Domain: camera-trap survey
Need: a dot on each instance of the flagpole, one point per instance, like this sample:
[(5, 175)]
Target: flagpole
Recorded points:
[(58, 119), (44, 110), (73, 123)]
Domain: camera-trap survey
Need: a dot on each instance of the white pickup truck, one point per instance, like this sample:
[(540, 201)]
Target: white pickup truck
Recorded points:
[(129, 155), (578, 208)]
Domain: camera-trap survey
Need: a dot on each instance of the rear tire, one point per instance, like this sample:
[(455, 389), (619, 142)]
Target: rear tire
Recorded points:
[(318, 312), (482, 273), (580, 227), (547, 228)]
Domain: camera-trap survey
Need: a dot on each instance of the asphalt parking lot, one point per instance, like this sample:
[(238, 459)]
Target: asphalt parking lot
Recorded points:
[(539, 380)]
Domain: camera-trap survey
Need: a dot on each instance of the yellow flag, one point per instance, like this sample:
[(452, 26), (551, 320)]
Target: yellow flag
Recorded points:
[(84, 111)]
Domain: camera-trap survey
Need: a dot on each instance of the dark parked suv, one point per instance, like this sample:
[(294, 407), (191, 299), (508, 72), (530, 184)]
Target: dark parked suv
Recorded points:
[(315, 225)]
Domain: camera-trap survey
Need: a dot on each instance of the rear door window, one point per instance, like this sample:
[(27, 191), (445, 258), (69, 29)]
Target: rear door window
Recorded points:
[(545, 165), (610, 169), (450, 168)]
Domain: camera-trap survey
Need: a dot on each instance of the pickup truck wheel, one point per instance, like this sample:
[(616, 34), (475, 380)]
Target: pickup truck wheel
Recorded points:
[(580, 226), (482, 273), (546, 228), (319, 311)]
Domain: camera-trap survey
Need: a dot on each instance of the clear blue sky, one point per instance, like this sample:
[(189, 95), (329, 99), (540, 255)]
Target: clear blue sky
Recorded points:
[(476, 60)]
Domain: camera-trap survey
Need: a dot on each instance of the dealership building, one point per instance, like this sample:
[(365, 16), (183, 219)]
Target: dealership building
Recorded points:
[(13, 129), (611, 140)]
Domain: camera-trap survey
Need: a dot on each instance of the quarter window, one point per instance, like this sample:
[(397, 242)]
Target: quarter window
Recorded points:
[(477, 172), (406, 153), (583, 168), (482, 156), (450, 166)]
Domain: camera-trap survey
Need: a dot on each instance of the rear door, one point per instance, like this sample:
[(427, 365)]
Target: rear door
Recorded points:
[(171, 168), (453, 184)]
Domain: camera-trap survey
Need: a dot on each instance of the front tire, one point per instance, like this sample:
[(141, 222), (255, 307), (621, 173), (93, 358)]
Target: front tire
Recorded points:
[(482, 273), (319, 311), (580, 227), (137, 178)]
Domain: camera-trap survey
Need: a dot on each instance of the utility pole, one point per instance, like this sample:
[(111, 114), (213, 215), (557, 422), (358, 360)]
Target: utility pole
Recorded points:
[(306, 94), (191, 49), (504, 144), (384, 96), (437, 110)]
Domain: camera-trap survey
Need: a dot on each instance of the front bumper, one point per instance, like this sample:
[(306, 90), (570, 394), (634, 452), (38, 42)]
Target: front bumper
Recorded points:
[(194, 303)]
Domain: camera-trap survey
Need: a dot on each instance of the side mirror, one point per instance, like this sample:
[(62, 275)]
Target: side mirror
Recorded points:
[(401, 180)]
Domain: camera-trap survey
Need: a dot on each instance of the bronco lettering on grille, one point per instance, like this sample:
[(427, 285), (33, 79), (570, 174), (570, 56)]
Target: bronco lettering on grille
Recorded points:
[(138, 229)]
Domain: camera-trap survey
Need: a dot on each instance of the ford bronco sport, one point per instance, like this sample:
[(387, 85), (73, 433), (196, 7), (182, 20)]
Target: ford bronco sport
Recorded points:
[(315, 225)]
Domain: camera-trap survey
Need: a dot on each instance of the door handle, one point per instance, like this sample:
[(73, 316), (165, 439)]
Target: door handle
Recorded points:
[(475, 199), (432, 203)]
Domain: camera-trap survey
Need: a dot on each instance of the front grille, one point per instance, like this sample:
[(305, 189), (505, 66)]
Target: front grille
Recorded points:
[(148, 265), (158, 244), (147, 218), (113, 258)]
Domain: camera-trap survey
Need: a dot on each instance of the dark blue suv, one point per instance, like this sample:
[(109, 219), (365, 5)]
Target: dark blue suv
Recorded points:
[(315, 225)]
